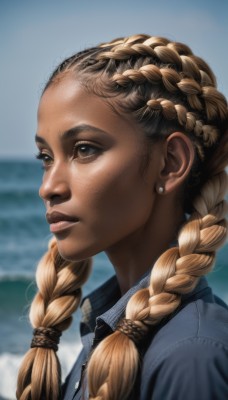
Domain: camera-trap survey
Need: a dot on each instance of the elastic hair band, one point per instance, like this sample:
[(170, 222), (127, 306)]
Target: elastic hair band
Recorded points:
[(48, 338), (131, 330)]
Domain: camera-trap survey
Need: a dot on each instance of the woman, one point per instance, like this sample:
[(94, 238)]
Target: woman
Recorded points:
[(132, 135)]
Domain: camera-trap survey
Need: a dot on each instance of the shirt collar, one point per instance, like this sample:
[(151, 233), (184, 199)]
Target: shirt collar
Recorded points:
[(106, 306)]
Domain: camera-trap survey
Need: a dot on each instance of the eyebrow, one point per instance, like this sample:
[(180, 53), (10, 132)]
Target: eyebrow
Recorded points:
[(71, 133)]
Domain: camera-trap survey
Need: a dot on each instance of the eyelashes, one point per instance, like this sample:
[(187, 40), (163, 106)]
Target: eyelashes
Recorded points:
[(82, 152), (85, 150), (42, 156), (45, 158)]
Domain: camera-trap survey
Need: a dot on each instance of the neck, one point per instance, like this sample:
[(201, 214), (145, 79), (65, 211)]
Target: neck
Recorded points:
[(136, 254)]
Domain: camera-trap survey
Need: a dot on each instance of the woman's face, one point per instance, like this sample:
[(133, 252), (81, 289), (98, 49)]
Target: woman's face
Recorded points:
[(94, 190)]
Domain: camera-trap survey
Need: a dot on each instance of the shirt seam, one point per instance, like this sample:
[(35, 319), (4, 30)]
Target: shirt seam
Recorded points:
[(203, 340), (199, 320)]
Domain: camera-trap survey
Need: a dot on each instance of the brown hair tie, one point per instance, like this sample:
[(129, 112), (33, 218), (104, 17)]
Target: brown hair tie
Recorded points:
[(132, 330), (48, 338)]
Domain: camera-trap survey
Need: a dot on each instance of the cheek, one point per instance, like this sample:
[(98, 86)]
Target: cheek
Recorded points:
[(111, 207), (122, 198)]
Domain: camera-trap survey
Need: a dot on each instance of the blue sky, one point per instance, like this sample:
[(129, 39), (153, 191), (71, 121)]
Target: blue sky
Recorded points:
[(36, 35)]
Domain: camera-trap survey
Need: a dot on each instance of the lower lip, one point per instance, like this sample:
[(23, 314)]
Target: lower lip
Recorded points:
[(61, 226)]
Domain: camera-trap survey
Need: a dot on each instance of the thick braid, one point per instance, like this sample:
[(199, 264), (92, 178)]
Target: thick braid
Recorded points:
[(176, 272), (59, 283)]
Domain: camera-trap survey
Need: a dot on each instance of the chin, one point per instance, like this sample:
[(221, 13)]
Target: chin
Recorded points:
[(73, 253)]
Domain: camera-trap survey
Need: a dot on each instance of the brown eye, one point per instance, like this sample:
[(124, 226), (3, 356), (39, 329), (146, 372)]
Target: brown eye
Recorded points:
[(45, 158), (82, 151)]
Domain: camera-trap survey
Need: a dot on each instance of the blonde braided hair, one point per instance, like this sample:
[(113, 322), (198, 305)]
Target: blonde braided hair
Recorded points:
[(164, 87), (176, 272), (59, 283)]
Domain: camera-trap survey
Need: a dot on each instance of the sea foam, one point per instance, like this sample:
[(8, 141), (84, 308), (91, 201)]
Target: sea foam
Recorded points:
[(10, 363)]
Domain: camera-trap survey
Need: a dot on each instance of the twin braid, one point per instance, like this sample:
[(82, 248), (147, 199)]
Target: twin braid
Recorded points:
[(59, 283)]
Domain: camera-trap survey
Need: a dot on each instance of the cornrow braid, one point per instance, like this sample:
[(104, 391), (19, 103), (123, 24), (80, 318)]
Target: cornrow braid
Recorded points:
[(170, 53), (172, 81), (188, 120)]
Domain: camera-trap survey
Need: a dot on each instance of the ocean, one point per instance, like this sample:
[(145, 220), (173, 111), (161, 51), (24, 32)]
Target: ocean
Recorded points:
[(24, 234)]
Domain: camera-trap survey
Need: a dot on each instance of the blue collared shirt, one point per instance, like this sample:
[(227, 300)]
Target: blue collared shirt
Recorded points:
[(186, 357)]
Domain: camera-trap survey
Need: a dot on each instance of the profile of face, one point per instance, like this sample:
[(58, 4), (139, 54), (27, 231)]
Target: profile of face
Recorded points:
[(96, 191)]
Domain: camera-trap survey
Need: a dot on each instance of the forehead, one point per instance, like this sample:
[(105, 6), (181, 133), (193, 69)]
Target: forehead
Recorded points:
[(66, 103)]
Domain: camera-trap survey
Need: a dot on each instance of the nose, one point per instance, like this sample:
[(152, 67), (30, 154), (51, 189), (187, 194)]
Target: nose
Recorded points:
[(55, 185)]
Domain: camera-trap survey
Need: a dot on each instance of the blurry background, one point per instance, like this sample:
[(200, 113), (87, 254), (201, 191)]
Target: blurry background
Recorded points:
[(34, 37)]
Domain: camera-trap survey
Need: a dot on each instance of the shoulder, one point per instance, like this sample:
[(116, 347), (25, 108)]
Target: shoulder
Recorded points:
[(197, 322), (188, 356)]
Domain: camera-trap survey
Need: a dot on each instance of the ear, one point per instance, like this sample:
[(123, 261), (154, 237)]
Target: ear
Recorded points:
[(178, 160)]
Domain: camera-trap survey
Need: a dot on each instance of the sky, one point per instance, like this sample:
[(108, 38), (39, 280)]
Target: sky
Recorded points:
[(36, 35)]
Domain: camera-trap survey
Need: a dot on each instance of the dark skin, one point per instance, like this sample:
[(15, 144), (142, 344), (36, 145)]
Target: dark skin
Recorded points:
[(92, 172)]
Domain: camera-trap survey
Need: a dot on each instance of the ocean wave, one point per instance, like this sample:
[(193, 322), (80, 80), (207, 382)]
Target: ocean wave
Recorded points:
[(19, 185), (18, 197), (19, 214), (9, 365), (22, 229), (18, 286), (22, 247), (15, 294), (15, 277), (14, 173)]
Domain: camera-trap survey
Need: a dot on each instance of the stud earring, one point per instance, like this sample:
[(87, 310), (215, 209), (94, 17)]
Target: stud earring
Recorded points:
[(160, 189)]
